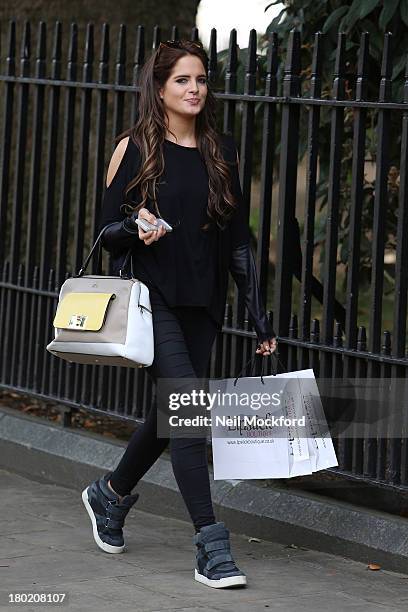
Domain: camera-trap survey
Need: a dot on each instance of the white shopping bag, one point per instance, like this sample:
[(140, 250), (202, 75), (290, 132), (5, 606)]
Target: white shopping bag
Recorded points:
[(298, 447), (319, 439), (321, 450), (245, 451)]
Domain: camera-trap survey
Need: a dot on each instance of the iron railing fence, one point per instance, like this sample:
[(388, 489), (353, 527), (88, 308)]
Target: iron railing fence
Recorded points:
[(57, 122)]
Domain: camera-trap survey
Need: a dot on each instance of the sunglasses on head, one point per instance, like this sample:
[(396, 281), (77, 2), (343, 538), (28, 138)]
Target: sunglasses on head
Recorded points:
[(178, 44)]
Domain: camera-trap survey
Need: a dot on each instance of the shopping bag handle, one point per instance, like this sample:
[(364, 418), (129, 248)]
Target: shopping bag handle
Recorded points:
[(262, 368)]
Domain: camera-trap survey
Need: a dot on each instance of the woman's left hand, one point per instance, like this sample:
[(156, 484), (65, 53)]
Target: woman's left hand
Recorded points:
[(267, 347)]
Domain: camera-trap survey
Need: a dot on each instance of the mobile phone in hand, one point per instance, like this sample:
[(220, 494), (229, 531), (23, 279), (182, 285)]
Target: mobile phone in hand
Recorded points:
[(166, 226), (146, 226)]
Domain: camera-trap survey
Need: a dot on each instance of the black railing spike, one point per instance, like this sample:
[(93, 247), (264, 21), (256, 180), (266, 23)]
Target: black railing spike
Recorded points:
[(139, 56), (406, 82), (317, 59), (315, 331), (72, 53), (292, 62), (338, 335), (230, 82), (103, 71), (25, 51), (293, 326), (272, 58), (56, 53), (363, 54), (156, 37), (121, 49), (11, 50), (36, 275), (20, 273), (251, 63), (4, 272), (42, 41), (386, 345), (386, 65), (212, 56), (339, 67), (226, 311), (120, 70), (362, 338), (361, 81), (104, 48), (51, 279), (340, 51), (232, 62), (87, 68), (386, 68)]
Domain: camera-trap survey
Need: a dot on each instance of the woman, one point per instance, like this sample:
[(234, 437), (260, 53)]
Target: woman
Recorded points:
[(174, 165)]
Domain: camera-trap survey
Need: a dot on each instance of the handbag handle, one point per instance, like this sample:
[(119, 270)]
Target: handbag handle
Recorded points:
[(98, 244), (262, 368)]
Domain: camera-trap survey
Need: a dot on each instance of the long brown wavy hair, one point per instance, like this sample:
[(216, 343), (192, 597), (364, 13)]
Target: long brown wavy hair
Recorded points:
[(149, 132)]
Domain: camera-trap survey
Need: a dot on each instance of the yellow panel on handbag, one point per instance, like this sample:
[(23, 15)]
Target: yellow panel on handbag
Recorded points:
[(83, 311)]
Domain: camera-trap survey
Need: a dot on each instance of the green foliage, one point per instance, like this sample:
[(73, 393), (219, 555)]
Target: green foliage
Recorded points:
[(352, 17)]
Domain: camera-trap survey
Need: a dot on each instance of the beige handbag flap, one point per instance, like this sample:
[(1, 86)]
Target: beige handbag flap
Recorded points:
[(82, 311)]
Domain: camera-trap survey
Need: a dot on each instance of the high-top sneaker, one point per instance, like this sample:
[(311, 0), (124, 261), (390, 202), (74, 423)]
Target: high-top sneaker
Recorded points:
[(107, 514), (215, 566)]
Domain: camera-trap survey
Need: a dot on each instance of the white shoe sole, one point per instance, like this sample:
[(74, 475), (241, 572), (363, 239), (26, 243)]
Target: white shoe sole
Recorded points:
[(222, 582), (105, 547)]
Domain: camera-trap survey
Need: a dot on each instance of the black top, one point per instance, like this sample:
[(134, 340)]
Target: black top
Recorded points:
[(189, 265)]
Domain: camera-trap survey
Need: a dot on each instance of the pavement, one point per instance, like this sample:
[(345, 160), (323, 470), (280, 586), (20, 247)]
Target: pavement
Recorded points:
[(40, 450), (47, 547)]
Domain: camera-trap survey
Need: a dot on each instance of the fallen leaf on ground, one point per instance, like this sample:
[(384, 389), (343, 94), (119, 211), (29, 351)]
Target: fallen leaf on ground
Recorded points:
[(373, 566)]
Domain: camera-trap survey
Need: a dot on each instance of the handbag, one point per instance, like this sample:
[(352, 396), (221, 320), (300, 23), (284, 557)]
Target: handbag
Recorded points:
[(104, 320)]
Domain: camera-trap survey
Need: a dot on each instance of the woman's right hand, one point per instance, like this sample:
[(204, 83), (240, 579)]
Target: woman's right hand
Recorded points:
[(151, 236)]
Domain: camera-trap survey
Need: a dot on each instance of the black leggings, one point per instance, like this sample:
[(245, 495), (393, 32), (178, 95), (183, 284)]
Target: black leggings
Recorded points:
[(183, 338)]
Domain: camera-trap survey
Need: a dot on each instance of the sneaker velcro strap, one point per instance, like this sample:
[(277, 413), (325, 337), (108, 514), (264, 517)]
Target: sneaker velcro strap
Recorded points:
[(218, 545), (113, 524), (222, 558), (118, 512)]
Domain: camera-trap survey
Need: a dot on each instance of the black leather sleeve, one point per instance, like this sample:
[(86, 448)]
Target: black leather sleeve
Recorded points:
[(243, 270), (122, 235)]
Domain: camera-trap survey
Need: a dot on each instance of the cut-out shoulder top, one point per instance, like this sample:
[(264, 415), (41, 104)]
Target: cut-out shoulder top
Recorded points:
[(188, 266)]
